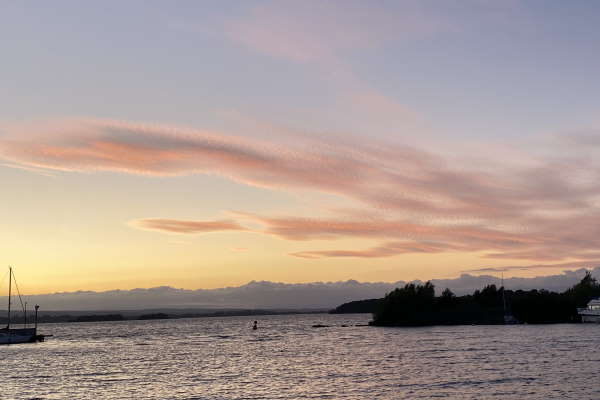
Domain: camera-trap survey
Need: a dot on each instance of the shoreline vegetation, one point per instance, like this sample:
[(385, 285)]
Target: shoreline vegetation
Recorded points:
[(417, 305)]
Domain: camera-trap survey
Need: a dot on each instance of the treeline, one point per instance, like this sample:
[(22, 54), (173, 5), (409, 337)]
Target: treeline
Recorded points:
[(417, 305), (357, 306)]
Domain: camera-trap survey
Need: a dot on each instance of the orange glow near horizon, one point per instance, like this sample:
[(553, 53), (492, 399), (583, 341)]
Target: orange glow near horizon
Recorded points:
[(296, 142)]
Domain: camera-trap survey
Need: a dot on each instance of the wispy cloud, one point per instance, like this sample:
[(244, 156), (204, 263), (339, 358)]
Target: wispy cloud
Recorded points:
[(509, 268), (323, 36), (186, 227), (239, 249), (385, 250), (39, 171), (320, 32), (542, 210)]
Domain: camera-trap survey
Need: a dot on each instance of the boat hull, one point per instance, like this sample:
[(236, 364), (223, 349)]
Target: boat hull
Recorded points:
[(14, 336), (593, 318), (591, 313)]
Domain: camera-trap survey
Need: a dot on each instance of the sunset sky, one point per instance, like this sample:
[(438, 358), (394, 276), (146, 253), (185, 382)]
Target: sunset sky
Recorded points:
[(202, 144)]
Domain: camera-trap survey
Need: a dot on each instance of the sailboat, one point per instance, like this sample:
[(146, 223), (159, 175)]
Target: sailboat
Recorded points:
[(10, 335), (509, 319)]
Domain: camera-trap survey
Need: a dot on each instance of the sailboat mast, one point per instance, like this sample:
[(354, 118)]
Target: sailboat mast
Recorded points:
[(9, 293), (503, 294)]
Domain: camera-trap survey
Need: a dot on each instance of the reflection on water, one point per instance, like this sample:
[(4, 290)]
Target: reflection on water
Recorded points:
[(223, 358)]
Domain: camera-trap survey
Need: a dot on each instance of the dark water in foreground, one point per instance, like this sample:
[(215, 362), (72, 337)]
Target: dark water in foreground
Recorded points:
[(222, 358)]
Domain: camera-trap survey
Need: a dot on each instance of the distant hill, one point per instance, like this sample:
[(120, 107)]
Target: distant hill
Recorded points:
[(274, 295)]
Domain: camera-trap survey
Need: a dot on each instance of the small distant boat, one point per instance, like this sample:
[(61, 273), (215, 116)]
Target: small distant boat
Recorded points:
[(591, 313), (10, 335), (509, 319)]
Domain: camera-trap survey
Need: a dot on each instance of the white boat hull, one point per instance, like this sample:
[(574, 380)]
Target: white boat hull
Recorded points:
[(591, 313), (593, 318)]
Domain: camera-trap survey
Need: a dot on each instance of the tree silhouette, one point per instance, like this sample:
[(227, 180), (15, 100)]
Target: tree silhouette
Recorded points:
[(417, 305), (584, 291)]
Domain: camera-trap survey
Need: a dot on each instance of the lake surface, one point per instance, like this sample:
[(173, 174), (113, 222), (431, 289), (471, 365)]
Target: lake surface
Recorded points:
[(223, 358)]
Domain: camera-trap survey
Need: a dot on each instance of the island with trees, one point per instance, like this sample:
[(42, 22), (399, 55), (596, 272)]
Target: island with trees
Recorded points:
[(417, 305)]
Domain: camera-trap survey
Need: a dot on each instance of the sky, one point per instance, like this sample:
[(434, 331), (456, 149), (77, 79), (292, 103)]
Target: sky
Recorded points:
[(208, 144)]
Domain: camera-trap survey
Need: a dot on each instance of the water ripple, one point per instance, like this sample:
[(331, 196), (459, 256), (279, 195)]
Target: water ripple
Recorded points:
[(223, 358)]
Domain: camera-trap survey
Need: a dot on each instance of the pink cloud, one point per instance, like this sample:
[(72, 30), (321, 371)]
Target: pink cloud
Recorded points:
[(543, 210), (323, 35), (292, 228), (385, 250), (316, 31), (186, 227)]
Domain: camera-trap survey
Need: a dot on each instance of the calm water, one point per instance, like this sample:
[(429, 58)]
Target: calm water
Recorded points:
[(222, 358)]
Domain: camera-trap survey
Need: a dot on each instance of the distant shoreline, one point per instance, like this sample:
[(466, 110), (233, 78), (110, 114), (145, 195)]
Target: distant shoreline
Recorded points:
[(143, 315)]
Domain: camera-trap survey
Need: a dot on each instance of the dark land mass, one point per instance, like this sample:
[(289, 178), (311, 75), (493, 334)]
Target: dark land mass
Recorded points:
[(417, 305), (100, 316), (155, 316), (357, 306), (96, 318)]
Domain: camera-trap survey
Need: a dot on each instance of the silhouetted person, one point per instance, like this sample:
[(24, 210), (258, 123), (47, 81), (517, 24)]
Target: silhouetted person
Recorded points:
[(255, 327)]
